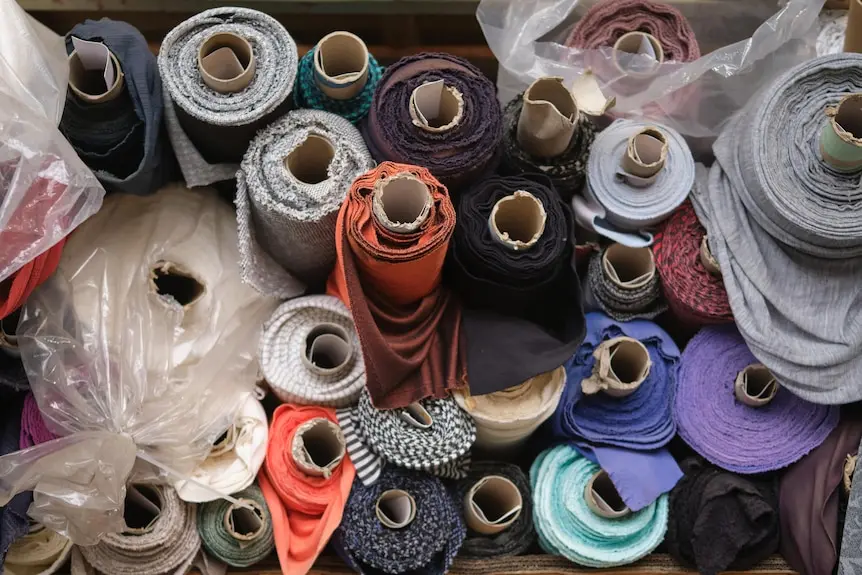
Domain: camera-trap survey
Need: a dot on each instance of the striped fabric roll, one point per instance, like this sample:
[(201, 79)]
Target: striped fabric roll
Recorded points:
[(368, 464)]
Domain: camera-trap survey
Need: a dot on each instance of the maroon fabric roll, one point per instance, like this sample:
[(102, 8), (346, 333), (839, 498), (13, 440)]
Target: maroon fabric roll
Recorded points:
[(33, 428)]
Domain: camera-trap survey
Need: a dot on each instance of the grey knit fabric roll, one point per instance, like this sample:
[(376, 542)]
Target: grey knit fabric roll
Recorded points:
[(786, 230), (286, 225), (621, 303)]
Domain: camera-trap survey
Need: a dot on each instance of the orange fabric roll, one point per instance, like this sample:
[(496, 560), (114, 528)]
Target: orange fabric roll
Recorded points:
[(306, 509), (15, 290)]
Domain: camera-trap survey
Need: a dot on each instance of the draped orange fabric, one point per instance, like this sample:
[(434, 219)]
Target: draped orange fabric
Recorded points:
[(305, 509)]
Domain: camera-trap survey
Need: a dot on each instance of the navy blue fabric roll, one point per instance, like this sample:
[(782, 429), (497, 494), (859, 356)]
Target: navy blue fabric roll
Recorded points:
[(13, 516)]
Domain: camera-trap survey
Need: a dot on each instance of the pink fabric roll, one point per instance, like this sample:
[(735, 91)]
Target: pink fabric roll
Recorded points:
[(33, 429)]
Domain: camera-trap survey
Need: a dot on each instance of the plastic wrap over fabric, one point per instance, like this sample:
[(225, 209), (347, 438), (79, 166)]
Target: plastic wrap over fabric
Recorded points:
[(744, 44), (142, 347), (45, 189)]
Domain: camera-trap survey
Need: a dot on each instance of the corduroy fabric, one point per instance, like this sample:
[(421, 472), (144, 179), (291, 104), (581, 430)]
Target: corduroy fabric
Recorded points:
[(14, 522), (522, 313), (220, 543), (33, 428), (287, 226), (40, 552), (307, 94), (622, 304), (408, 324)]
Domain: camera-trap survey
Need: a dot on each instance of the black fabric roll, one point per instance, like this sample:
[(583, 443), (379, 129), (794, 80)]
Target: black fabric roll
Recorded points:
[(522, 308), (13, 516)]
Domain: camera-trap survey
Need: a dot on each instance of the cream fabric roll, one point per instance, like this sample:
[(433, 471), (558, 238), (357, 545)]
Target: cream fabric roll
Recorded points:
[(40, 552)]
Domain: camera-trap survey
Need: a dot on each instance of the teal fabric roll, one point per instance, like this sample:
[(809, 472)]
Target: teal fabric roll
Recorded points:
[(567, 527)]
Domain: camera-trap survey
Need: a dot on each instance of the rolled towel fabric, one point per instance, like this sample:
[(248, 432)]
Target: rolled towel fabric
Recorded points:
[(407, 522), (310, 353), (720, 381), (511, 263), (211, 120), (40, 552), (291, 183), (623, 283), (237, 536), (579, 516), (33, 428), (116, 129), (506, 419), (391, 238), (437, 111), (306, 480), (721, 521)]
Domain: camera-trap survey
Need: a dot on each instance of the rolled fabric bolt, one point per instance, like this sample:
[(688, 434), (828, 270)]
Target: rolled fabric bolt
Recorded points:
[(548, 118), (622, 281), (841, 138), (226, 62), (492, 505), (89, 81), (602, 497), (237, 536), (518, 221), (40, 552), (395, 508), (436, 107), (755, 386), (628, 267), (648, 50), (707, 259), (646, 154), (622, 365), (341, 65), (33, 428), (401, 203), (853, 36)]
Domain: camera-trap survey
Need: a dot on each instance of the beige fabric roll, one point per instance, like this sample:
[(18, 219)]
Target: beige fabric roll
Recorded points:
[(40, 552)]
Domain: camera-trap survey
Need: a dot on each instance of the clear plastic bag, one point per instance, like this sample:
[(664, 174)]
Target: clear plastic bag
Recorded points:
[(45, 189), (744, 43)]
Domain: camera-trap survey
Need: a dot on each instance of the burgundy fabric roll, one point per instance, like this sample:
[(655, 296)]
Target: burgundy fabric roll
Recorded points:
[(33, 428)]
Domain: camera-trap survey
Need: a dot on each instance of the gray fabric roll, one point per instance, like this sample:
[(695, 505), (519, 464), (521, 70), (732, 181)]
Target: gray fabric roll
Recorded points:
[(287, 226), (787, 232), (642, 302)]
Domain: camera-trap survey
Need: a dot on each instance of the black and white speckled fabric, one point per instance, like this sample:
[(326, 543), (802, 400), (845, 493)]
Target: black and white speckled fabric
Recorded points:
[(622, 304)]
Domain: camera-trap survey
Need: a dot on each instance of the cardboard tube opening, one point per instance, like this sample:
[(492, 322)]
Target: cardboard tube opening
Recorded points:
[(171, 282), (436, 107), (401, 203), (518, 220), (646, 154), (648, 52), (629, 360), (327, 348), (417, 416), (602, 497), (9, 327), (142, 508), (34, 527), (841, 138), (396, 508), (621, 365), (492, 505), (707, 259), (244, 523), (93, 77), (318, 447), (628, 267), (548, 118), (341, 65), (226, 62), (309, 161), (755, 385)]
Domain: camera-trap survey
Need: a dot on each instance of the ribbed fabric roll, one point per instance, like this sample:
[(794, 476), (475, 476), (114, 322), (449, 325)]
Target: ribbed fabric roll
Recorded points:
[(506, 419), (720, 521), (122, 139), (291, 183), (388, 273), (568, 526), (33, 428), (14, 522), (236, 536), (310, 353), (458, 149), (785, 427), (210, 130), (40, 552), (623, 297), (426, 541), (522, 313)]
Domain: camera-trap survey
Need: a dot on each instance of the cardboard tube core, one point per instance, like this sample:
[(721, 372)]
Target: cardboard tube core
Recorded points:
[(90, 72), (707, 259), (142, 509), (841, 137), (401, 203), (492, 505), (244, 523), (173, 283), (602, 497), (341, 65), (622, 365), (755, 385), (417, 416), (646, 154), (627, 267), (327, 348), (849, 470), (226, 62), (318, 447), (225, 442), (9, 333), (518, 220), (309, 161), (396, 508), (548, 118), (435, 107), (647, 54)]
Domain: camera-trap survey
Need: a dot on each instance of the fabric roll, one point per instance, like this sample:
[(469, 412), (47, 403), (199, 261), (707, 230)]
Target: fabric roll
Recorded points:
[(720, 521), (427, 544), (306, 499), (778, 224), (567, 526), (786, 428), (30, 276), (40, 552), (33, 428), (310, 353), (695, 295), (121, 139), (209, 130), (515, 539), (408, 324), (286, 213), (231, 535), (307, 94), (14, 522), (623, 299), (456, 156), (522, 313), (809, 497), (506, 419), (367, 463)]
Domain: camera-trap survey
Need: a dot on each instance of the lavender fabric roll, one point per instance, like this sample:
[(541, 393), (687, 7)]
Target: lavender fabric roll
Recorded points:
[(739, 437)]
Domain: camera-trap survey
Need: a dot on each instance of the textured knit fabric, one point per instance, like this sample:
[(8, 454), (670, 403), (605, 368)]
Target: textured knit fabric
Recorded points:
[(286, 225), (408, 324), (40, 552), (779, 222), (15, 290), (622, 303), (720, 521), (457, 156), (121, 140), (210, 131), (427, 545), (522, 313), (568, 527), (739, 437), (14, 522), (33, 428), (368, 464), (307, 94), (219, 541)]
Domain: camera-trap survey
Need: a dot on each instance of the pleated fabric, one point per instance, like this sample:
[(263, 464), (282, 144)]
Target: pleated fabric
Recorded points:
[(226, 541), (523, 314), (40, 552), (408, 324)]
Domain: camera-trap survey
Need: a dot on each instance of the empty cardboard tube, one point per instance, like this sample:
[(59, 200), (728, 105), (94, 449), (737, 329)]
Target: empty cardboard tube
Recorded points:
[(849, 470), (518, 220), (225, 442), (309, 161), (318, 447), (622, 365), (89, 85), (327, 348), (435, 107), (853, 35), (647, 45), (142, 509), (416, 415), (175, 285), (244, 523), (401, 203), (841, 137), (548, 118), (755, 385), (646, 154), (226, 62), (602, 497), (492, 505), (627, 267), (9, 334), (396, 508), (341, 65), (707, 259)]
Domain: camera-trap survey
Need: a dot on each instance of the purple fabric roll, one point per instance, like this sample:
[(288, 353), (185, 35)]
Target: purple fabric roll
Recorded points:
[(729, 433), (33, 428)]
